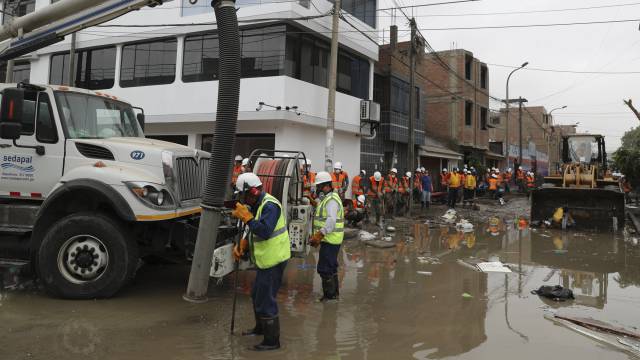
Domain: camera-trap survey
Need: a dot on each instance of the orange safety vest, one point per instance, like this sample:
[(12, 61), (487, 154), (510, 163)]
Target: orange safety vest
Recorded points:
[(308, 181), (375, 188), (520, 174), (390, 184), (237, 170), (493, 184), (338, 179), (454, 180), (444, 178), (404, 185), (356, 204), (356, 188), (417, 182), (531, 182), (507, 177)]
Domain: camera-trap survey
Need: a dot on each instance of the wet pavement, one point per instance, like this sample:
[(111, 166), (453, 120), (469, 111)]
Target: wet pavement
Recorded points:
[(402, 302)]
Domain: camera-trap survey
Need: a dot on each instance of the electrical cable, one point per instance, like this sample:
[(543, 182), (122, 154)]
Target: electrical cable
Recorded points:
[(568, 71), (532, 25), (424, 5)]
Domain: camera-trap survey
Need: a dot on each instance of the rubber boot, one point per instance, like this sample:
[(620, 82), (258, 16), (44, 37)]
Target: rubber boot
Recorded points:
[(271, 339), (336, 284), (257, 330), (328, 288)]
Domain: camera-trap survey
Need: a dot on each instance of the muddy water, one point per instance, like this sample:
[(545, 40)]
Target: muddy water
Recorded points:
[(399, 303)]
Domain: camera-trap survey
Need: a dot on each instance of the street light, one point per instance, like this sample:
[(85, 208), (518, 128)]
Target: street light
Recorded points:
[(507, 103), (550, 119)]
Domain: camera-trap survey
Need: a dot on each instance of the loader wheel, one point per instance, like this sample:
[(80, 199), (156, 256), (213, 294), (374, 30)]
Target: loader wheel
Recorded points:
[(86, 256)]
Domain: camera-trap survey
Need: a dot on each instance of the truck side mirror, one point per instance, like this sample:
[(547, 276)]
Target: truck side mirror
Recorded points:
[(10, 130), (140, 117)]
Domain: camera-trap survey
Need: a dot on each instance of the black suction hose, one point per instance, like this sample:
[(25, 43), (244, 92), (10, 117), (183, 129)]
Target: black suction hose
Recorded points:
[(217, 181), (228, 99)]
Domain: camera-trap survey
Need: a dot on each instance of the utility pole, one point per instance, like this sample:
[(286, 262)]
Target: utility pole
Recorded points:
[(72, 61), (412, 106), (333, 74), (8, 78), (507, 102), (520, 130)]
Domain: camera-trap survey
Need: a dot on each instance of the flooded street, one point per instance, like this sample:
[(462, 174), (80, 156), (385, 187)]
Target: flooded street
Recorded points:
[(418, 300)]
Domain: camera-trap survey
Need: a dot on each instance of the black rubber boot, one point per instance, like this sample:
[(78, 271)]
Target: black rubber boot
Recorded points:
[(257, 330), (328, 288), (271, 339), (336, 284)]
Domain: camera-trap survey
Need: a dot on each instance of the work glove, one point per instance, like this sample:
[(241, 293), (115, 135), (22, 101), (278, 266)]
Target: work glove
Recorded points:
[(240, 248), (316, 239), (242, 212)]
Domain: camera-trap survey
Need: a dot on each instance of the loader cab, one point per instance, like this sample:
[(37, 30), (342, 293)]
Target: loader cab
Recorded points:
[(585, 149)]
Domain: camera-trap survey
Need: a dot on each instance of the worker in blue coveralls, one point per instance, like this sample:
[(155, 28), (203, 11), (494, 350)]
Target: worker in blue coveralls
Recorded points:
[(269, 247), (328, 232)]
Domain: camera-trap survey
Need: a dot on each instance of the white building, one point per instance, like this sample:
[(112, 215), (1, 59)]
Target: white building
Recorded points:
[(168, 66)]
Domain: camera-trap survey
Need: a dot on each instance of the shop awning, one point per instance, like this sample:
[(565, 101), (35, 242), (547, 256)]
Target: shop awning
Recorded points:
[(493, 155), (434, 148)]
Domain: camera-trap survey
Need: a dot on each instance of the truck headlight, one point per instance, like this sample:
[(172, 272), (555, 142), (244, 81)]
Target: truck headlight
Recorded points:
[(153, 195)]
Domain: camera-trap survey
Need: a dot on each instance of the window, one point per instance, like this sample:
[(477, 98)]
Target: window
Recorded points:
[(364, 10), (245, 143), (95, 68), (148, 63), (483, 76), (468, 67), (483, 118), (399, 96), (28, 112), (263, 51), (21, 71), (201, 58), (17, 8), (468, 111), (45, 122)]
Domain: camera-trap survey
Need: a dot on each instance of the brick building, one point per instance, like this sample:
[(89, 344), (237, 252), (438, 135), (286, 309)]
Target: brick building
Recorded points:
[(391, 90), (536, 136), (457, 103)]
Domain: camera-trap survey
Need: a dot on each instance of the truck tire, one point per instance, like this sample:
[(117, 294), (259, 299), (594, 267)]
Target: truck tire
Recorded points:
[(86, 256)]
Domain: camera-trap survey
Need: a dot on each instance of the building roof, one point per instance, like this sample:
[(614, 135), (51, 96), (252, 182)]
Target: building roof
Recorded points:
[(435, 148)]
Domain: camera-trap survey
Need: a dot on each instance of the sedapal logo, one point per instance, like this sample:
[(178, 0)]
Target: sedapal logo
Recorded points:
[(17, 162), (137, 155)]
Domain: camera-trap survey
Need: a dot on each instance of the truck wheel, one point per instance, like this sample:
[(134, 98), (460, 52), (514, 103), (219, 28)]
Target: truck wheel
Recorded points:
[(86, 256)]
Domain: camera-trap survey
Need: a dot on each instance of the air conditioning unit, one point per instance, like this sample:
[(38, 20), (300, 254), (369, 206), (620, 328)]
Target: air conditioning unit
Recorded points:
[(369, 111)]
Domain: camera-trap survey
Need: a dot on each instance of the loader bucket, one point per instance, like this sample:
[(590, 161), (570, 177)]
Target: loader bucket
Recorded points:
[(593, 209)]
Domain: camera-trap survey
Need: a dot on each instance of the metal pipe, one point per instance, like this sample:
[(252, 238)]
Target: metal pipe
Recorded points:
[(333, 73), (222, 152), (45, 16), (72, 61)]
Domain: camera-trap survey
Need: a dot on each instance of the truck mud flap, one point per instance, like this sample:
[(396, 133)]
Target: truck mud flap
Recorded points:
[(593, 209)]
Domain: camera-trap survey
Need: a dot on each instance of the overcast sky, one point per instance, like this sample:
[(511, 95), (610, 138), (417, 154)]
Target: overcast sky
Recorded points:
[(593, 100)]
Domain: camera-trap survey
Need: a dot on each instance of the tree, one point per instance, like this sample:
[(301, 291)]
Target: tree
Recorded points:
[(627, 157), (630, 105)]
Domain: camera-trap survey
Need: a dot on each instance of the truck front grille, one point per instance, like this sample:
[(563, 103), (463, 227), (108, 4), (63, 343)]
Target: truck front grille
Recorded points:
[(191, 177)]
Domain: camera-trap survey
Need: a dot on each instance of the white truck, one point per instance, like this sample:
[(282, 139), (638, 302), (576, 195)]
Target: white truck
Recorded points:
[(87, 193)]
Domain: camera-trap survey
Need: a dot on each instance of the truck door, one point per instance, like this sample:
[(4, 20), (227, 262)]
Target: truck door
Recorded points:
[(23, 173)]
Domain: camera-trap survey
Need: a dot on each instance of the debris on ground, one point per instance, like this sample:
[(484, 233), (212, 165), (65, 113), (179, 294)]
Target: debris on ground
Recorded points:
[(450, 216), (428, 260), (467, 296), (427, 273), (464, 225), (493, 266), (380, 244), (618, 338), (555, 292), (391, 228), (366, 236)]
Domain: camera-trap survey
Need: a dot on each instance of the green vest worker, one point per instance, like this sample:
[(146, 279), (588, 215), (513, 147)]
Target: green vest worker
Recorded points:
[(270, 249), (328, 228)]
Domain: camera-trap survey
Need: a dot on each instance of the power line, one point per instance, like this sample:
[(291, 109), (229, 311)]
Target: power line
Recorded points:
[(568, 71), (532, 25), (529, 11), (424, 5)]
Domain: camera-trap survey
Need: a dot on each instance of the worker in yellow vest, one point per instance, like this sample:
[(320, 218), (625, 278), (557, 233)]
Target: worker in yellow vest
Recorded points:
[(469, 189), (455, 181), (328, 232), (269, 247)]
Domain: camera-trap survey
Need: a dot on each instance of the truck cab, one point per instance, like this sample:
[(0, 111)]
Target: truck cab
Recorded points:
[(86, 193)]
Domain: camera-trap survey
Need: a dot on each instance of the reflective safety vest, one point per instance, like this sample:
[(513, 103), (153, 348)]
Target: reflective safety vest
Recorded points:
[(470, 182), (454, 180), (267, 253), (403, 187), (337, 180), (444, 178), (357, 204), (417, 182), (356, 188), (335, 237), (308, 181), (520, 175), (493, 184), (507, 176), (390, 184), (531, 182), (375, 187), (237, 170)]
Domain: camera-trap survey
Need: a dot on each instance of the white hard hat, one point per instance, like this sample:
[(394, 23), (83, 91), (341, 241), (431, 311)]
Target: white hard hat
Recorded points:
[(361, 198), (394, 170), (509, 169), (337, 165), (322, 177), (444, 170), (408, 174), (245, 161), (418, 170), (238, 158), (376, 175), (519, 167), (494, 176), (423, 169), (466, 171), (363, 171), (247, 180)]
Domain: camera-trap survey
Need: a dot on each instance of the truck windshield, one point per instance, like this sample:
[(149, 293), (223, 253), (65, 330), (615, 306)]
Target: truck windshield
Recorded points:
[(94, 117), (583, 149)]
